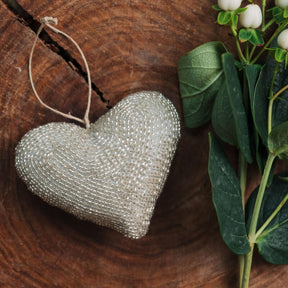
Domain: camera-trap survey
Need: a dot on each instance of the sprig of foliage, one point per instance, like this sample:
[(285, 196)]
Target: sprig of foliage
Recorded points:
[(247, 103)]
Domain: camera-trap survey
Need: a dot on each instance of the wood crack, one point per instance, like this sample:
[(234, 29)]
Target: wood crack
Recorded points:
[(27, 19)]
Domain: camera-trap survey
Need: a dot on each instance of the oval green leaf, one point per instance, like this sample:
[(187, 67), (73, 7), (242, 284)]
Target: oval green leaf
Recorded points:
[(273, 241), (252, 74), (285, 12), (234, 90), (280, 54), (224, 17), (278, 14), (200, 77), (227, 199), (278, 141), (222, 117), (280, 106), (244, 34), (256, 37), (260, 99)]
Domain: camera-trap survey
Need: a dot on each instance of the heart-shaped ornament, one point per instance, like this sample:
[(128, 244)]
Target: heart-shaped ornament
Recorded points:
[(110, 173)]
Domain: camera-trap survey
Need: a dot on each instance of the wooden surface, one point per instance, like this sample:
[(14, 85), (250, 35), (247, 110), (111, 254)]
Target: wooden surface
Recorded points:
[(130, 46)]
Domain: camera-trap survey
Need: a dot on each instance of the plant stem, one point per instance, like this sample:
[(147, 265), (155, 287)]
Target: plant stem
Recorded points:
[(280, 92), (240, 53), (252, 52), (247, 50), (254, 220), (242, 171), (269, 41), (267, 222), (268, 25), (247, 269), (242, 167), (242, 177), (270, 108), (241, 259), (263, 13), (259, 198), (272, 98)]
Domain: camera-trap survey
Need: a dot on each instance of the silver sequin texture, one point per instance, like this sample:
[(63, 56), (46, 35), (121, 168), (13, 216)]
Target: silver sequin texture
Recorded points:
[(113, 172)]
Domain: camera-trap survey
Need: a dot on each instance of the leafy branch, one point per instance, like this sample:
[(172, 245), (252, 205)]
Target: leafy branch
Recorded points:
[(247, 103)]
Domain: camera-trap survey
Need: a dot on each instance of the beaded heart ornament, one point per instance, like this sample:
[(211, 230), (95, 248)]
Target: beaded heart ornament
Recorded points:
[(112, 171)]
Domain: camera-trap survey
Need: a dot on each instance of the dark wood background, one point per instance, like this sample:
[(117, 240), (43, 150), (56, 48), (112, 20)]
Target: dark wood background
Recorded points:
[(131, 45)]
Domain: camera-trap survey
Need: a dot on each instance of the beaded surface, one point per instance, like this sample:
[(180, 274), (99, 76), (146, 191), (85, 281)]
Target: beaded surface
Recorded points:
[(111, 173)]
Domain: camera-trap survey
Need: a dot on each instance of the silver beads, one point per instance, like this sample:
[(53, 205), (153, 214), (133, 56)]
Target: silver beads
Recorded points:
[(111, 173)]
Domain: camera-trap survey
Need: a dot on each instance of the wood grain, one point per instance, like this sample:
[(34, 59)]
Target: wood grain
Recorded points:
[(130, 46)]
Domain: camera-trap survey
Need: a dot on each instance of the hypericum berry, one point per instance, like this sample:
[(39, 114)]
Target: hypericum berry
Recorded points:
[(283, 39), (252, 17), (229, 5), (281, 3)]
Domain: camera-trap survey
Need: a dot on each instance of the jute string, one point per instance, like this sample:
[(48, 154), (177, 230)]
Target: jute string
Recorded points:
[(47, 21)]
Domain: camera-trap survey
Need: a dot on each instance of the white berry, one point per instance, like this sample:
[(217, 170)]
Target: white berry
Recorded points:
[(281, 3), (252, 17), (283, 39), (229, 5)]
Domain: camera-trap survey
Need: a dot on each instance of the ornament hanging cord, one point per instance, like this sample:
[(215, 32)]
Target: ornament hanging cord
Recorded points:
[(47, 21)]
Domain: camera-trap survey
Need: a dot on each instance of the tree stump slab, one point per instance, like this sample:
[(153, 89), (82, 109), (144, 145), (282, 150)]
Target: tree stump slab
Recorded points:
[(130, 46)]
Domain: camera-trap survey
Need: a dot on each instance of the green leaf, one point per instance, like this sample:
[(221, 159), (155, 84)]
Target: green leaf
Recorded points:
[(216, 7), (236, 100), (256, 37), (261, 158), (234, 20), (222, 117), (224, 17), (252, 74), (227, 199), (260, 107), (200, 75), (245, 34), (260, 100), (285, 12), (284, 178), (240, 10), (280, 106), (280, 54), (278, 141), (240, 65), (277, 14), (273, 241)]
